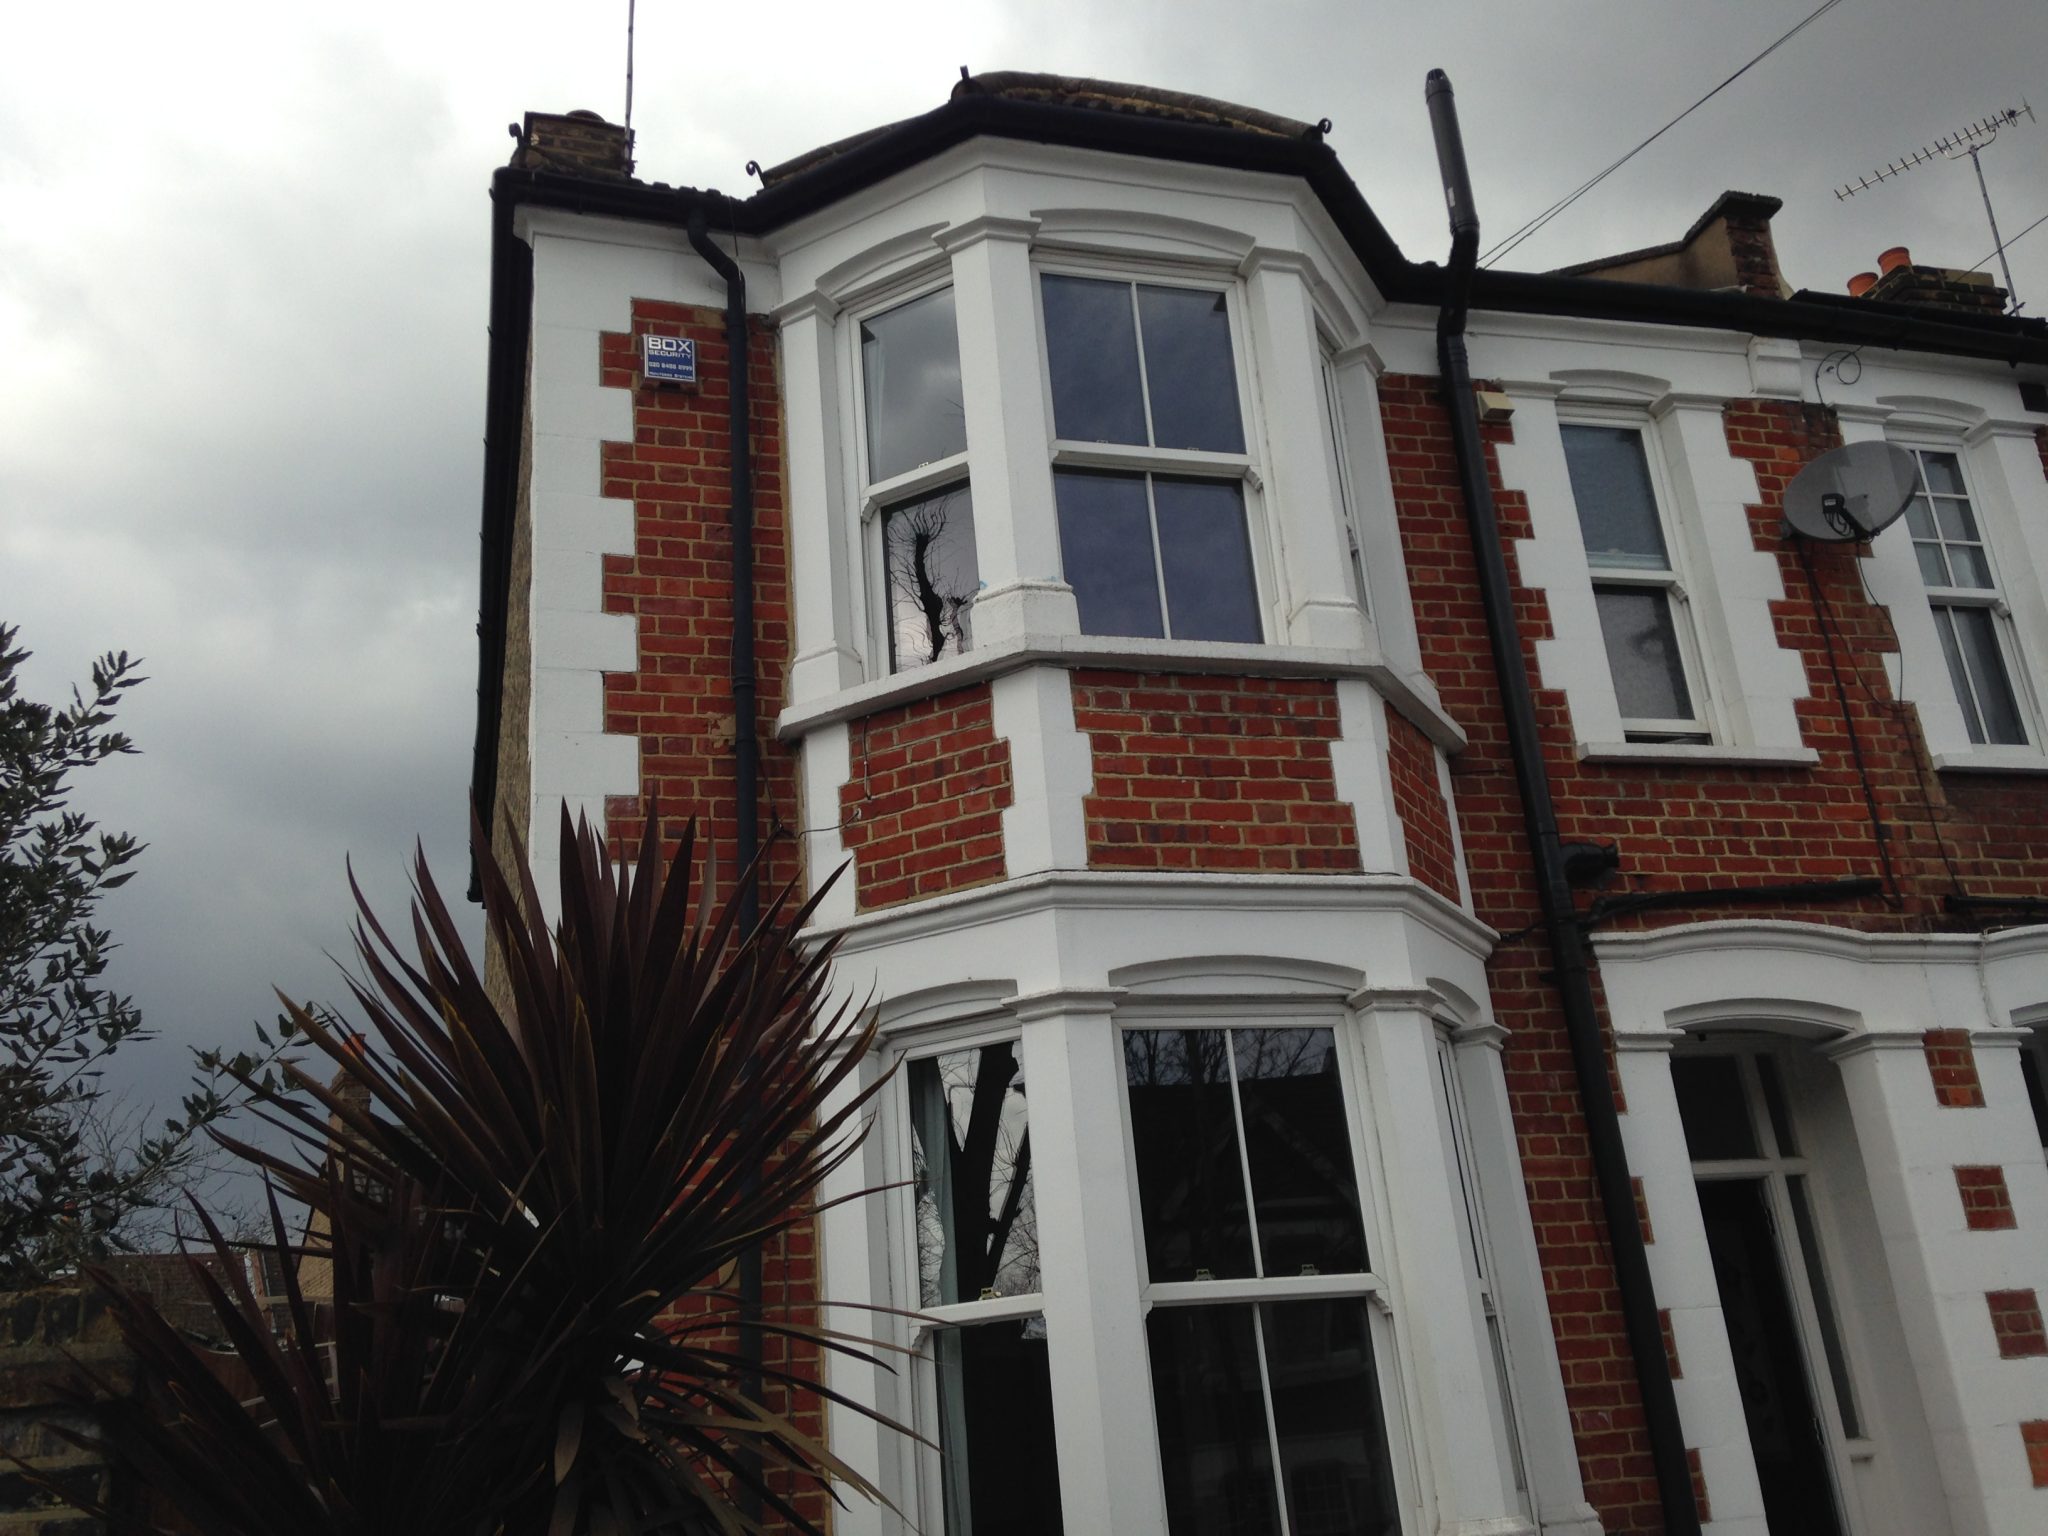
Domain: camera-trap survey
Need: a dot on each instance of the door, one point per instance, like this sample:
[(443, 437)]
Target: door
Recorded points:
[(1785, 1432)]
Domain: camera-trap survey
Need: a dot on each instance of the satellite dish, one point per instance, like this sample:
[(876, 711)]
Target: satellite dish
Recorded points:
[(1851, 493)]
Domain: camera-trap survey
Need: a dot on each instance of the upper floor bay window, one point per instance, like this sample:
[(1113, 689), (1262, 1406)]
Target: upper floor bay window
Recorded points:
[(1636, 588), (1150, 460), (1963, 592), (916, 478)]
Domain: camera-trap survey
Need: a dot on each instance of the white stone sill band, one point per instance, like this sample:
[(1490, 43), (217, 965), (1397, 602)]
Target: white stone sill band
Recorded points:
[(1696, 753), (1413, 697)]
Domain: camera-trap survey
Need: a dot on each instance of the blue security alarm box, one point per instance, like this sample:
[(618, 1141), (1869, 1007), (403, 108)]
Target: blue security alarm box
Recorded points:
[(669, 359)]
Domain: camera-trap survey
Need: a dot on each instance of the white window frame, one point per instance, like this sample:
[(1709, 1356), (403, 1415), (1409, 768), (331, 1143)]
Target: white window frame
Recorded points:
[(1339, 439), (1241, 469), (873, 498), (1389, 1381), (1673, 582), (1991, 599)]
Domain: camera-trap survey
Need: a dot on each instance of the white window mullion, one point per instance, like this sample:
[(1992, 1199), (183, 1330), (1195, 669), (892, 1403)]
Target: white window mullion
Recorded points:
[(1244, 1157), (1272, 1423)]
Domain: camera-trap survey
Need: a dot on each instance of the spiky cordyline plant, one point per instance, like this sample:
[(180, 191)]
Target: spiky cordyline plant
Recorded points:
[(511, 1199)]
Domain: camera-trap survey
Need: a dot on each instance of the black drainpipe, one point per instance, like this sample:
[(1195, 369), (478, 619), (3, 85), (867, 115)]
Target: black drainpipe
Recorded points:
[(1560, 919), (746, 741)]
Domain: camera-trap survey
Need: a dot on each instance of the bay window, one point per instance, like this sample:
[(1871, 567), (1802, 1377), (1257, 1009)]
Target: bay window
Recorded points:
[(1962, 591), (1637, 593), (915, 461), (1150, 465)]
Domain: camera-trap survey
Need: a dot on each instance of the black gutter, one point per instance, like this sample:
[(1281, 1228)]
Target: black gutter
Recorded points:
[(504, 419), (746, 735), (1791, 893), (1560, 919)]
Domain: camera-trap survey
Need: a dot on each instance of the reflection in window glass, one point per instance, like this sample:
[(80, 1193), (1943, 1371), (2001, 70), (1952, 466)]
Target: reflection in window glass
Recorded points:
[(1191, 1185), (934, 577), (910, 367), (1206, 559), (1712, 1108), (1976, 666), (1106, 552), (1643, 654), (1298, 1150), (1000, 1463), (977, 1223), (1232, 1382)]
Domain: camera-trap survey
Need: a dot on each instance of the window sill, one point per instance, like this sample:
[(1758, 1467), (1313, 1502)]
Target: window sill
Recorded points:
[(1993, 760), (1419, 707), (1707, 754)]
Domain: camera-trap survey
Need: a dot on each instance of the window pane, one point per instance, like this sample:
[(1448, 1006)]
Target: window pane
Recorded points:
[(1617, 509), (1712, 1108), (1958, 673), (1956, 521), (1944, 473), (910, 363), (1304, 1183), (1211, 593), (1970, 567), (1106, 552), (1214, 1448), (1920, 518), (1933, 566), (1977, 635), (1091, 352), (1189, 370), (2034, 1068), (1326, 1416), (1191, 1192), (928, 547), (1642, 651), (1777, 1105), (977, 1222), (1824, 1308), (1000, 1461)]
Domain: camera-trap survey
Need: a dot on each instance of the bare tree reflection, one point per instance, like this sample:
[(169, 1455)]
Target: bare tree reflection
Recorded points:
[(933, 576), (977, 1223)]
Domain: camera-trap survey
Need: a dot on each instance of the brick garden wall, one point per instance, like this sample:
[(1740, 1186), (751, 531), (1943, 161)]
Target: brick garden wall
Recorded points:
[(1678, 826)]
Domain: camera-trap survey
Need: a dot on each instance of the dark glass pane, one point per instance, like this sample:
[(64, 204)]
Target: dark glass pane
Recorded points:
[(1211, 593), (1955, 520), (1920, 518), (1000, 1461), (1944, 473), (1214, 1451), (1091, 351), (1824, 1308), (1326, 1415), (1189, 371), (1190, 1180), (1642, 652), (2033, 1061), (1977, 634), (1958, 674), (910, 364), (1611, 487), (934, 577), (977, 1220), (1712, 1108), (1776, 1104), (1304, 1183), (1106, 552)]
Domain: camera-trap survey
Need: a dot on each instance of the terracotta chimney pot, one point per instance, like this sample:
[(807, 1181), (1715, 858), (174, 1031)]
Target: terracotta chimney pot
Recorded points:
[(1861, 284), (1891, 260)]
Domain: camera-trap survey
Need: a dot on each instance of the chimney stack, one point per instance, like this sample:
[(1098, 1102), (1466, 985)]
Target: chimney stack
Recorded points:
[(1903, 282), (574, 144)]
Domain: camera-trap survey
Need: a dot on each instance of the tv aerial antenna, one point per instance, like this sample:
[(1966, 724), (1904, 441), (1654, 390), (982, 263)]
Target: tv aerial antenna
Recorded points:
[(1971, 141), (630, 4)]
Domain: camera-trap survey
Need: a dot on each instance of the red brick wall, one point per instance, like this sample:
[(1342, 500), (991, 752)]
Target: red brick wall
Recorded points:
[(1213, 773), (677, 584), (1419, 799), (922, 811), (1677, 827)]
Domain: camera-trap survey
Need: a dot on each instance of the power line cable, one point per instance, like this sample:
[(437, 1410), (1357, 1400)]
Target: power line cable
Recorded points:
[(1510, 242), (1978, 265)]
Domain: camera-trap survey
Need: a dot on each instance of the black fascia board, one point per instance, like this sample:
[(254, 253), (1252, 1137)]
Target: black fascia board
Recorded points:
[(1825, 318)]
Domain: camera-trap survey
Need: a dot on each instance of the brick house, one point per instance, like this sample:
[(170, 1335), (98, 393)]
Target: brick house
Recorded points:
[(1114, 613)]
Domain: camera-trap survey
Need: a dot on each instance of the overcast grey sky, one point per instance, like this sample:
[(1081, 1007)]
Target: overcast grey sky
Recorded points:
[(243, 286)]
